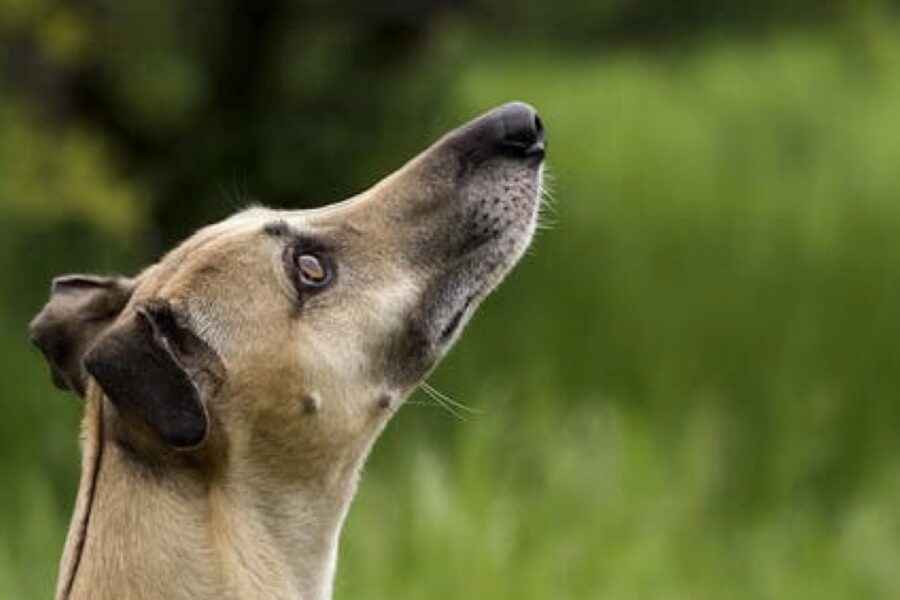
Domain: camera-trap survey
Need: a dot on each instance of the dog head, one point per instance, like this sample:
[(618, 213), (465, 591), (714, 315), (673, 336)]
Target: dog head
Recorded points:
[(299, 332)]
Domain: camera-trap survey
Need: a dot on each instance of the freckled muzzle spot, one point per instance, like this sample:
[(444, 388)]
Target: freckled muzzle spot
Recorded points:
[(384, 401), (309, 404)]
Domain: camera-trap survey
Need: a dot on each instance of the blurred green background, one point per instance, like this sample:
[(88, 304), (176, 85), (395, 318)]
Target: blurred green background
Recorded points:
[(690, 389)]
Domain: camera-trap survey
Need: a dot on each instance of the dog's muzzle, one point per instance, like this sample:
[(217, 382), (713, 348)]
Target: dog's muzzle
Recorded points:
[(485, 183)]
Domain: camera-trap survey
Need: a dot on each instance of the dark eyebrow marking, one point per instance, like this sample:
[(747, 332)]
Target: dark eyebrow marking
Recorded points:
[(278, 228), (296, 239)]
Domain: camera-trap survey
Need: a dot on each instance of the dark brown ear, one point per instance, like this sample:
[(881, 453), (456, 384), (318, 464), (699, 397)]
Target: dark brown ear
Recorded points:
[(143, 368), (80, 308)]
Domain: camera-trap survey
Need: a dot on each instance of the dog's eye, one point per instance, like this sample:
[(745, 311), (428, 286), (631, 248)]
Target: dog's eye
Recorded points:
[(313, 270)]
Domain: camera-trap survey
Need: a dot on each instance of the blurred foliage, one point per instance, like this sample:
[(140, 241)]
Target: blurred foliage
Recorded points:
[(689, 388), (655, 22), (65, 175), (196, 100)]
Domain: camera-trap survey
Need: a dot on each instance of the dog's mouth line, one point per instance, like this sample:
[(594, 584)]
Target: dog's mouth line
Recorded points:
[(499, 260), (453, 324)]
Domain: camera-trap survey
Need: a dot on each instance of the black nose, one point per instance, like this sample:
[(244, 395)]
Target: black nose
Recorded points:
[(512, 130), (520, 130)]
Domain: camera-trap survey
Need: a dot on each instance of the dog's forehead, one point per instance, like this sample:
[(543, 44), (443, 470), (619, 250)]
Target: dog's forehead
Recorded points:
[(347, 218), (237, 232)]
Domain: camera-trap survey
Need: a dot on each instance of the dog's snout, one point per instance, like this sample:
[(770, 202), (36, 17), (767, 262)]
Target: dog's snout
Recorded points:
[(520, 129)]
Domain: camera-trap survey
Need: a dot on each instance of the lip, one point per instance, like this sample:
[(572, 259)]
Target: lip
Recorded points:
[(453, 325), (534, 151)]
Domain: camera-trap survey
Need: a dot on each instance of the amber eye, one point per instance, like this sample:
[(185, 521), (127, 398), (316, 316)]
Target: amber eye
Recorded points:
[(313, 271)]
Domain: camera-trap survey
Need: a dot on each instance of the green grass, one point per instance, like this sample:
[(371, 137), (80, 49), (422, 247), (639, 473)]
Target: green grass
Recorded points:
[(689, 389)]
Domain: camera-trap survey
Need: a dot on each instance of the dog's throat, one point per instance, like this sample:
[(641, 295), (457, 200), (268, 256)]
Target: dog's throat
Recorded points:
[(92, 454)]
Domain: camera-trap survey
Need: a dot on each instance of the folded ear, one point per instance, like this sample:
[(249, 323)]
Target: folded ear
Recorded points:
[(80, 308), (143, 368)]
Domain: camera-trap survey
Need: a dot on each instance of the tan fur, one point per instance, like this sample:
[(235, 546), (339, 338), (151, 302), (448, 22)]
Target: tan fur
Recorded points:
[(300, 394)]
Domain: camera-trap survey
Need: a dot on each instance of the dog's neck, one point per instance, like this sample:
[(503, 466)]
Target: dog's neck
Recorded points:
[(241, 532)]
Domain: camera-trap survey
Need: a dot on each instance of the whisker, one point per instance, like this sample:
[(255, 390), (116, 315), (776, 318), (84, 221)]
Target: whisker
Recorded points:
[(545, 223), (435, 404), (441, 403), (451, 401), (549, 196), (548, 199)]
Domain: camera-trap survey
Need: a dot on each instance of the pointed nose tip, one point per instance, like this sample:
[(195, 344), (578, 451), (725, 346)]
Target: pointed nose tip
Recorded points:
[(520, 130), (513, 130)]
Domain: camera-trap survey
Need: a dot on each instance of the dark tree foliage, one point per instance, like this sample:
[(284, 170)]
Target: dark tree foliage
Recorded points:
[(209, 105)]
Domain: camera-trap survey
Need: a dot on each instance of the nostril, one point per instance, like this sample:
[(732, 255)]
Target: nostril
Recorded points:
[(521, 138), (540, 144)]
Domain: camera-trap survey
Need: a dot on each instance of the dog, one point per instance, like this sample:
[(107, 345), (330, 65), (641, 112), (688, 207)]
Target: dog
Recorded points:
[(233, 390)]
